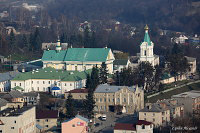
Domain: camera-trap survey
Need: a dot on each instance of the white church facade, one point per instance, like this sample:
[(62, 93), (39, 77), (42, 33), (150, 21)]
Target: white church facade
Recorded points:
[(146, 50)]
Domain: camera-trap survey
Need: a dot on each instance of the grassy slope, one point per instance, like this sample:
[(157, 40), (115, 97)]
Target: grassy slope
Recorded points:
[(174, 92)]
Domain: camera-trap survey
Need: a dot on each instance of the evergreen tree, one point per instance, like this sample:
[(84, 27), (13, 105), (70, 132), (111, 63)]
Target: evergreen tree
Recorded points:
[(25, 41), (70, 112), (88, 81), (37, 40), (87, 37), (12, 39), (89, 104), (94, 78), (103, 75), (63, 38), (31, 42)]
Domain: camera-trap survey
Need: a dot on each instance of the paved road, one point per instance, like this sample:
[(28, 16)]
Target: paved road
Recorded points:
[(107, 126)]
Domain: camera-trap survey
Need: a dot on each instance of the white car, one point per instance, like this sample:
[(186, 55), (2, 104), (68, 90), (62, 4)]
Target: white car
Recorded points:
[(103, 117)]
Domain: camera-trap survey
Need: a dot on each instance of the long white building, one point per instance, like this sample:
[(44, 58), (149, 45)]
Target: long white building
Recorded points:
[(43, 80)]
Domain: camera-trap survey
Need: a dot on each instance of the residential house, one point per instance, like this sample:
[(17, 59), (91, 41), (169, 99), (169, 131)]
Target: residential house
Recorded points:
[(78, 124), (20, 120), (119, 64), (5, 78), (140, 127), (15, 99), (190, 100), (156, 114), (78, 94), (130, 98), (46, 120), (176, 109), (193, 64), (31, 98), (78, 59), (43, 80)]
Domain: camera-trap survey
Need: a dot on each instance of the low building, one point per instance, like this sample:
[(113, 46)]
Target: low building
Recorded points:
[(20, 120), (193, 64), (190, 100), (78, 124), (46, 120), (78, 94), (130, 98), (31, 98), (140, 127), (119, 64), (43, 80), (14, 96), (156, 114), (176, 109), (5, 78), (168, 78)]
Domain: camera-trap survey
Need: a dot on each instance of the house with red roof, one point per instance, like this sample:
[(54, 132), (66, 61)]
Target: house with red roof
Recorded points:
[(140, 127)]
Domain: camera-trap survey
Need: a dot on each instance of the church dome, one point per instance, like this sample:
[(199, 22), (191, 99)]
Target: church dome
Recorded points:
[(55, 88)]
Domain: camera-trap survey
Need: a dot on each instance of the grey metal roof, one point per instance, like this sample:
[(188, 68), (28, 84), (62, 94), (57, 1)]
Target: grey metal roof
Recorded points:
[(13, 94), (3, 102), (31, 94), (7, 76), (105, 88), (153, 108)]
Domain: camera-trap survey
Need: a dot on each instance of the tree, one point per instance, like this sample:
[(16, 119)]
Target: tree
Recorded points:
[(157, 75), (145, 74), (89, 104), (31, 42), (25, 41), (70, 112), (12, 39), (94, 78), (118, 108), (88, 81), (103, 75)]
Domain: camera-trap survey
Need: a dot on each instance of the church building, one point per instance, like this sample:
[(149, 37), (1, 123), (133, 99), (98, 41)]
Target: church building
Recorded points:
[(78, 59), (146, 50)]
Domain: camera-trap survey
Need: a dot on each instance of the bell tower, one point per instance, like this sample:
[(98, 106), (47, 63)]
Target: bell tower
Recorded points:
[(146, 48)]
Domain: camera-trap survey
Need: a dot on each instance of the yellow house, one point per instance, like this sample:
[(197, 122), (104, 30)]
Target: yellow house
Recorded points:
[(79, 59)]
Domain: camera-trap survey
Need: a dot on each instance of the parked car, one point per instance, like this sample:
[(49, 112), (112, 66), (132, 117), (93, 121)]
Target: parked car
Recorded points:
[(103, 117), (96, 124)]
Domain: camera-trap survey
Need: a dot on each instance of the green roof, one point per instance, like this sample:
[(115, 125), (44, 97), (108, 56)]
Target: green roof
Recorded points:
[(17, 88), (53, 55), (77, 54), (120, 62), (147, 38), (51, 73)]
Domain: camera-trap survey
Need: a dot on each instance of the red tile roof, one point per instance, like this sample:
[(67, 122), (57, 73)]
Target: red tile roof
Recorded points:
[(143, 122), (78, 91), (44, 114), (124, 126)]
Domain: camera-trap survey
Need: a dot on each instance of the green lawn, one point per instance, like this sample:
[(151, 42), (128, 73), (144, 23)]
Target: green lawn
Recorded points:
[(174, 92)]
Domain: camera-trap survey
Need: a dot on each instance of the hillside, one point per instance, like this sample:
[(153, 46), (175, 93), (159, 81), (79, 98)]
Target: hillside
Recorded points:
[(180, 15)]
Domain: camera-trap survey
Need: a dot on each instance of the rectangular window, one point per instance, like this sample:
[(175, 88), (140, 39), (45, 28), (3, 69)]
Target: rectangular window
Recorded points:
[(145, 53), (46, 120), (75, 68), (124, 99), (153, 120), (46, 126), (49, 82), (20, 84), (104, 99), (43, 82), (15, 121), (38, 120), (12, 128), (37, 82)]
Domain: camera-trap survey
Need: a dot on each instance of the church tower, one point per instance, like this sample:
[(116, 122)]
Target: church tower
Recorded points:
[(146, 49), (58, 46)]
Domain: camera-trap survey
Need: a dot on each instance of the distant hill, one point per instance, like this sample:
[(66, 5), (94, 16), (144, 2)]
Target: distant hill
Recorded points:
[(180, 15)]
